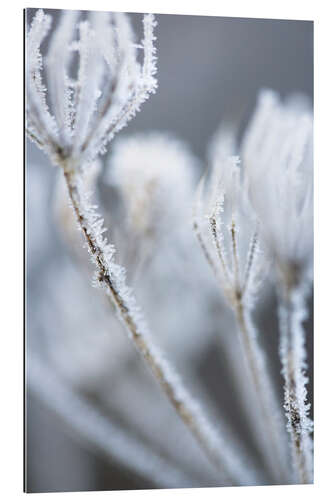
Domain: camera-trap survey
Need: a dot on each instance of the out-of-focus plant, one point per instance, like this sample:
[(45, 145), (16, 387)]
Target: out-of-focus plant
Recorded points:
[(153, 174)]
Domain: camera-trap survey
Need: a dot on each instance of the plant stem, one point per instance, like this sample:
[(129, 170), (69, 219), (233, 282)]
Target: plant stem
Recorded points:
[(255, 360), (292, 312), (253, 355), (189, 411)]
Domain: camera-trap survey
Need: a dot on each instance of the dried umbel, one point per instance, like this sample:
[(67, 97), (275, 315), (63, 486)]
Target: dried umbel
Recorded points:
[(73, 119)]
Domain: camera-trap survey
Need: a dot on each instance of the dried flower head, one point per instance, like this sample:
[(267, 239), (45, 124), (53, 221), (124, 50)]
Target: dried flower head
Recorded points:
[(73, 119), (154, 175), (232, 224), (277, 154)]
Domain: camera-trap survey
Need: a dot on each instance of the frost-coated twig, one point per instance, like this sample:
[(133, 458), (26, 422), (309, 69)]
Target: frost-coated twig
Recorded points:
[(105, 435), (111, 276), (292, 312), (255, 359)]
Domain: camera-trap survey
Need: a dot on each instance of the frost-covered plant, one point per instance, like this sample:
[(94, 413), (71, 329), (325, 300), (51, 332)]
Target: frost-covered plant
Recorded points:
[(154, 173), (228, 232), (63, 213), (110, 86), (85, 114), (278, 158)]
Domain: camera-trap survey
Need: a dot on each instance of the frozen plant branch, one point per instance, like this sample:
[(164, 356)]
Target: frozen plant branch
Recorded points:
[(111, 277)]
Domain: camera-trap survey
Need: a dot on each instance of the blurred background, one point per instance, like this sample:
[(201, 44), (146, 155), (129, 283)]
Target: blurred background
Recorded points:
[(95, 417)]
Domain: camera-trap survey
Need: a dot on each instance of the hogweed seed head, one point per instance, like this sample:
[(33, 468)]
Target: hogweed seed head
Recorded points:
[(73, 120)]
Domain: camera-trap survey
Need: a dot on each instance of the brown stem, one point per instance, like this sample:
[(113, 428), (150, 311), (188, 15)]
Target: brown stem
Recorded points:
[(183, 403)]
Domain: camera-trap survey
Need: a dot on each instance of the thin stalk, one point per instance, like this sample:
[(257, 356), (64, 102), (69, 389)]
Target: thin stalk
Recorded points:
[(204, 248), (249, 264), (253, 355), (216, 235), (197, 209), (254, 358), (292, 312), (235, 262), (216, 449)]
